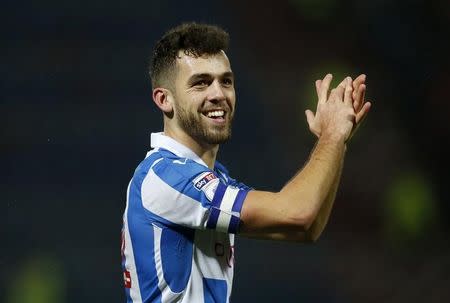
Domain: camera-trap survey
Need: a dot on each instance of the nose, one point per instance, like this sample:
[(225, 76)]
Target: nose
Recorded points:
[(216, 92)]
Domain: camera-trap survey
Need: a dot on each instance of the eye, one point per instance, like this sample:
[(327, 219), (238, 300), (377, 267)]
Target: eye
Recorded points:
[(227, 81), (201, 83)]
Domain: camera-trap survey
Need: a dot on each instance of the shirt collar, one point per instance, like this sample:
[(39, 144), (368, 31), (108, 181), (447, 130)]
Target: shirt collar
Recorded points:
[(159, 140)]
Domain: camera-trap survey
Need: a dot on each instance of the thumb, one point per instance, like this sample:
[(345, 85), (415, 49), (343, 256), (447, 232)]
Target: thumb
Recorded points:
[(309, 117)]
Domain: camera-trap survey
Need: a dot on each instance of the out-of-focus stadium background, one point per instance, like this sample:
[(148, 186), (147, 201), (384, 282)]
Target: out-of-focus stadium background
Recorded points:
[(77, 113)]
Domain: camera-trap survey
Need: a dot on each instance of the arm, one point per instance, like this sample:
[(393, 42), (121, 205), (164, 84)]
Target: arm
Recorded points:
[(322, 217), (290, 214), (361, 108)]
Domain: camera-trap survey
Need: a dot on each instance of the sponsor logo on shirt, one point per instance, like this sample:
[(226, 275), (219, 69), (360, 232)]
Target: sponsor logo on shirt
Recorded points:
[(207, 182), (203, 179)]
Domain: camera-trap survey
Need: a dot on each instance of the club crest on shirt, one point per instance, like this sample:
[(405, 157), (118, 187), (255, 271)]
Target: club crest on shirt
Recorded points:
[(206, 182)]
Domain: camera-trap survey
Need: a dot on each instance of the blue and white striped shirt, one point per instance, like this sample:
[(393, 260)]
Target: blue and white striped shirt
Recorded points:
[(179, 226)]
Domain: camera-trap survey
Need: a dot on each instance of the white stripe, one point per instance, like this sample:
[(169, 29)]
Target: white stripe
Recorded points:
[(161, 199), (225, 209), (228, 198), (130, 264), (167, 295), (223, 221), (194, 288)]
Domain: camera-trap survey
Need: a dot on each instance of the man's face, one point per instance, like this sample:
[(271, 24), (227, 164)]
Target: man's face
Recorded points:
[(204, 97)]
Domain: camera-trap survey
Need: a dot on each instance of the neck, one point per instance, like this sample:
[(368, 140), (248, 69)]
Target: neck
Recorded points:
[(206, 152)]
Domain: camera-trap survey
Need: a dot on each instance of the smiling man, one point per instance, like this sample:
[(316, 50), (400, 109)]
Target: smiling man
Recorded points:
[(183, 209)]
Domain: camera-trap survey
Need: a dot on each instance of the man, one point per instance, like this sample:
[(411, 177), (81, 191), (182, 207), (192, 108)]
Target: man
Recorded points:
[(183, 208)]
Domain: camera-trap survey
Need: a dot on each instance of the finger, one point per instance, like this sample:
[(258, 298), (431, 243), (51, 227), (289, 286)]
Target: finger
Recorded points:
[(344, 82), (363, 94), (337, 94), (358, 81), (318, 83), (309, 117), (361, 79), (358, 100), (360, 118), (348, 93), (363, 112), (325, 85)]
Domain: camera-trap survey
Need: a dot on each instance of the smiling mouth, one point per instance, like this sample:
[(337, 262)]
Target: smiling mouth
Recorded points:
[(215, 114)]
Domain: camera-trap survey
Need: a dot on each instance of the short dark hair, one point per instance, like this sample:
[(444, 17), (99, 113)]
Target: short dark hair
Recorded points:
[(193, 38)]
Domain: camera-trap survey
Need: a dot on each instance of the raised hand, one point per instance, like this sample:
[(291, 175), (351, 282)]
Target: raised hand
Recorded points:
[(335, 115), (361, 107)]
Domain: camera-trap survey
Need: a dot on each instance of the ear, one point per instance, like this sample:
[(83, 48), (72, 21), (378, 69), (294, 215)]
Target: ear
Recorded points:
[(163, 99)]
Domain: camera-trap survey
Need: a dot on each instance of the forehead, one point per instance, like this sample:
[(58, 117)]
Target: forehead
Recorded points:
[(215, 64)]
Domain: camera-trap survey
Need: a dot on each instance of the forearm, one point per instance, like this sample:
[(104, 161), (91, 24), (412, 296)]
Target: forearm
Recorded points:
[(313, 233), (289, 213), (316, 228), (313, 189), (300, 211)]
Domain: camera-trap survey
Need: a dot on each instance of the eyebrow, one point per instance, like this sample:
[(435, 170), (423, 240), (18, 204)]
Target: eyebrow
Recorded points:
[(195, 77)]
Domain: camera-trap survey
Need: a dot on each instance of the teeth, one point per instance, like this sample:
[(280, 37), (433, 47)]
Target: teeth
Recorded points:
[(216, 113)]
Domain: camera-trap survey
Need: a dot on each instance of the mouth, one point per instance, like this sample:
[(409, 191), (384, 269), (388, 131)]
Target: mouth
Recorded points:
[(216, 115)]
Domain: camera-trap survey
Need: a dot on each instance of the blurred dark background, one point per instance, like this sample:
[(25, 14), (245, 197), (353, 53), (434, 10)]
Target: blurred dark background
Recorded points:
[(76, 115)]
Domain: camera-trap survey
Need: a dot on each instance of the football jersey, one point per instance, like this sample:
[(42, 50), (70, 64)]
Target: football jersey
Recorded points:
[(178, 227)]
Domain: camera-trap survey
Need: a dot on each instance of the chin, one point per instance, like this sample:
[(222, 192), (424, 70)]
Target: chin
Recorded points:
[(217, 137)]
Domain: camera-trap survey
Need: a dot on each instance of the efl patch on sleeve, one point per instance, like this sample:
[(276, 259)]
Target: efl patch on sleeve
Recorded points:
[(206, 182)]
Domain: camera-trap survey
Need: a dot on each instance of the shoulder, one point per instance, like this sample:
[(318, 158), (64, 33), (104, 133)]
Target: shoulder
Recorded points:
[(224, 173), (164, 162), (165, 169), (219, 167), (175, 166), (170, 177)]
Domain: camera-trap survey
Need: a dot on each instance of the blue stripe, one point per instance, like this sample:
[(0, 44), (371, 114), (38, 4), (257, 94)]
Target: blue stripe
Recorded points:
[(218, 195), (234, 225), (214, 290), (213, 217), (239, 201), (142, 237), (176, 256), (127, 295), (220, 167)]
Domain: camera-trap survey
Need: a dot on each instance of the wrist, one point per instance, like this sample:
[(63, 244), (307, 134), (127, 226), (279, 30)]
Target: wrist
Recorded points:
[(335, 139)]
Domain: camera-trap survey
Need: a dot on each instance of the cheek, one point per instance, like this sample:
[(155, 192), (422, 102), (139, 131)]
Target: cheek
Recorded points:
[(188, 108), (232, 95), (232, 100)]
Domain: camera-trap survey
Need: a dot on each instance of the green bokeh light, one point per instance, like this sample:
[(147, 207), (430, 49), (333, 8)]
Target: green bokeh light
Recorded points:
[(410, 210), (38, 280)]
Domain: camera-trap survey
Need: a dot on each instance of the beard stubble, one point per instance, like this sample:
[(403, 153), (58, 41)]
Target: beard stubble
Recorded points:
[(193, 125)]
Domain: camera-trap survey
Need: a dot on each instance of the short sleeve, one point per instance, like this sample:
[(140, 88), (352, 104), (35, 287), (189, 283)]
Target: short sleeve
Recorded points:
[(226, 208), (185, 193)]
